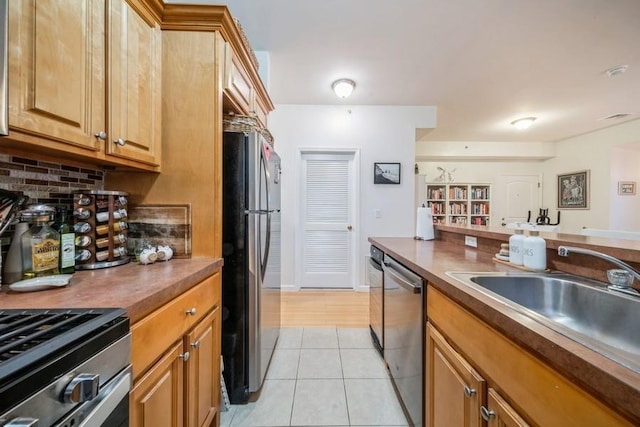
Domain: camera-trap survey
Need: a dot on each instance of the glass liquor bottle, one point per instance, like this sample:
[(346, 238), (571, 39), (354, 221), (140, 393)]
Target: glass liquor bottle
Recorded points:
[(67, 259), (40, 243)]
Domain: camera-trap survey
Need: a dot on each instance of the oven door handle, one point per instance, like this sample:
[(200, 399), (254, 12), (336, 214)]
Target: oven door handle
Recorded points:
[(108, 399), (411, 287)]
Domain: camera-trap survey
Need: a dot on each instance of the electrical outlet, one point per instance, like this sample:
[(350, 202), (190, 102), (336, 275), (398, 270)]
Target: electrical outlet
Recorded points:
[(378, 214), (471, 241)]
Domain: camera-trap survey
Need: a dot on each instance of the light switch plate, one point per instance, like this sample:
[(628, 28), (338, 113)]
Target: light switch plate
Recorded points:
[(471, 241)]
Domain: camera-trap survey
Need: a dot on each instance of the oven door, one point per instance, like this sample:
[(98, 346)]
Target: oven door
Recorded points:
[(110, 408)]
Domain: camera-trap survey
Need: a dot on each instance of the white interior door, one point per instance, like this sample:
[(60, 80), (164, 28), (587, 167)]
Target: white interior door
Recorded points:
[(523, 193), (327, 217)]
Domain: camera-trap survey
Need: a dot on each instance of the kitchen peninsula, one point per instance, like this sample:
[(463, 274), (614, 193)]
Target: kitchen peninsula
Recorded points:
[(509, 364)]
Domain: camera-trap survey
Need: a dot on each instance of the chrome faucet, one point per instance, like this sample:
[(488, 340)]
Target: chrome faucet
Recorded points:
[(620, 280)]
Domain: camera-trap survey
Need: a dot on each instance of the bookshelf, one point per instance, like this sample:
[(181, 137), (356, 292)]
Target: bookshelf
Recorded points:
[(459, 203)]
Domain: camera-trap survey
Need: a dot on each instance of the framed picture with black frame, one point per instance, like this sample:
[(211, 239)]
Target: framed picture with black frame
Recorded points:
[(386, 173), (573, 190)]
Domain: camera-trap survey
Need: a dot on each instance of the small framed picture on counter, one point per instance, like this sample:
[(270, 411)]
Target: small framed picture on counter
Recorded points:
[(627, 188), (386, 173)]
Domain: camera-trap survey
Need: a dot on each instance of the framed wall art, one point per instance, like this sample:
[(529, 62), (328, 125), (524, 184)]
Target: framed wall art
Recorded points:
[(627, 188), (573, 190), (386, 173)]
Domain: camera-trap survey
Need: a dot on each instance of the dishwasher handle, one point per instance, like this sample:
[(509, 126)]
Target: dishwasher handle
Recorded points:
[(415, 288)]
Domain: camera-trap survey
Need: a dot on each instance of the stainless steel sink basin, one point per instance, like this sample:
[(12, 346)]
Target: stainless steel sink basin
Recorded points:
[(579, 308)]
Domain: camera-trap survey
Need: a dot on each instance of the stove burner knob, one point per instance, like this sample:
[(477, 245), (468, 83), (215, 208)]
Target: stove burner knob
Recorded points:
[(82, 388), (22, 422)]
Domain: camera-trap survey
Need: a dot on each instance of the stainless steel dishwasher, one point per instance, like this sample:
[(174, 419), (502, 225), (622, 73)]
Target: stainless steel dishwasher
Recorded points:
[(403, 336)]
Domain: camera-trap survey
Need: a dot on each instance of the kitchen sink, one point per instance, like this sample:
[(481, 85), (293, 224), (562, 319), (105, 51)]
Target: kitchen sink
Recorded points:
[(579, 308)]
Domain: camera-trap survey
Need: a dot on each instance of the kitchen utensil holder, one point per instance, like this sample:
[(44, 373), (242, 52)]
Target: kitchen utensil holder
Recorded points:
[(100, 224)]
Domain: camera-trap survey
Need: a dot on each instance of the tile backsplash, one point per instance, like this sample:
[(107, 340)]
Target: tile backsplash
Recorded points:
[(46, 182)]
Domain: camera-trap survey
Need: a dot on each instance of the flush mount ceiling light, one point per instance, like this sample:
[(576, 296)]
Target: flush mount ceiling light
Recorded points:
[(614, 71), (523, 123), (343, 87)]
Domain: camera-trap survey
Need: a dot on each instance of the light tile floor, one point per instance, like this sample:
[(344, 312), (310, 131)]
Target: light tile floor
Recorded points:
[(322, 377)]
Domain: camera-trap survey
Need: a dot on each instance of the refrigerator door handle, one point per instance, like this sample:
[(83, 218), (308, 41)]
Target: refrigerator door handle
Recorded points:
[(267, 246)]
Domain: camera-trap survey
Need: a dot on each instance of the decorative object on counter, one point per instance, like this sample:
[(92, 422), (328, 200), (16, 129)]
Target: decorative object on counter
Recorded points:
[(41, 283), (573, 190), (534, 251), (13, 263), (543, 217), (161, 225), (503, 254), (424, 224), (386, 173), (626, 188), (516, 246), (40, 243), (67, 259), (100, 223)]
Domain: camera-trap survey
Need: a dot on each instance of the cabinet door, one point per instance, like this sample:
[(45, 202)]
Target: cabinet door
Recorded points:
[(236, 82), (455, 390), (157, 398), (134, 84), (202, 386), (57, 72), (499, 413)]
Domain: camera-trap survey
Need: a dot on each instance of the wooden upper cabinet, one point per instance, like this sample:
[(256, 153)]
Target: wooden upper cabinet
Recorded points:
[(237, 85), (134, 85), (57, 71), (63, 56)]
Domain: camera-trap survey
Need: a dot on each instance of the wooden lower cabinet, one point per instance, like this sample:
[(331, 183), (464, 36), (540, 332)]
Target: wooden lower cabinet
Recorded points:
[(475, 374), (157, 399), (176, 361)]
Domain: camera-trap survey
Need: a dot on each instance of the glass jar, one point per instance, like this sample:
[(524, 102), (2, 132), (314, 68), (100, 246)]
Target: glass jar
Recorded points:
[(40, 243)]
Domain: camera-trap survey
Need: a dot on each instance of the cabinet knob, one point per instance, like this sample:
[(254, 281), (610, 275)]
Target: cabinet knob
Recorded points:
[(101, 135), (191, 311), (185, 356), (486, 413), (468, 391), (196, 344), (119, 142)]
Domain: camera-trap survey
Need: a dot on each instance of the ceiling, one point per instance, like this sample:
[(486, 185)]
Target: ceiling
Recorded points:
[(482, 63)]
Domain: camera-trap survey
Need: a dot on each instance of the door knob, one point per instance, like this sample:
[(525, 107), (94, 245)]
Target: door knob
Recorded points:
[(349, 227)]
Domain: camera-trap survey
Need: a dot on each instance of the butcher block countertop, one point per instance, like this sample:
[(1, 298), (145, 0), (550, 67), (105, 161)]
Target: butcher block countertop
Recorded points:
[(139, 289), (610, 382)]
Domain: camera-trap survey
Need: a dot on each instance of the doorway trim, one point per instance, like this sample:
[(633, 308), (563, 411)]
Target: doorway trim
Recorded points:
[(301, 151)]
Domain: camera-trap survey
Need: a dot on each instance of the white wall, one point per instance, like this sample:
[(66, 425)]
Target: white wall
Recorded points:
[(596, 151), (624, 211), (381, 134)]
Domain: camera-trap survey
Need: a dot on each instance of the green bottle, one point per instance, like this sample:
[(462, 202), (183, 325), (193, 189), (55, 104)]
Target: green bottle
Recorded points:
[(67, 259)]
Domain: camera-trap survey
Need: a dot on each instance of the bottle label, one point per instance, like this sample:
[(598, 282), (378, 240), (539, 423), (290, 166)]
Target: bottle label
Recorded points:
[(45, 255), (67, 250)]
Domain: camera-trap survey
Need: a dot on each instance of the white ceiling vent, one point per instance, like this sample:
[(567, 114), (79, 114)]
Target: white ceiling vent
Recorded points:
[(616, 116)]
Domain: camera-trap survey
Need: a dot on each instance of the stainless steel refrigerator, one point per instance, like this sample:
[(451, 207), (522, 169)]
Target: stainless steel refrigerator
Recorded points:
[(251, 251)]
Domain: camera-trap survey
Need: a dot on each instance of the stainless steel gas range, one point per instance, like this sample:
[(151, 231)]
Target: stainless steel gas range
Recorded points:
[(64, 367)]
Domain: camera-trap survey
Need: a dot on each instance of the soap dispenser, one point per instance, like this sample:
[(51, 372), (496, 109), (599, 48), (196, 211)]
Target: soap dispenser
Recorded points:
[(535, 251), (516, 246)]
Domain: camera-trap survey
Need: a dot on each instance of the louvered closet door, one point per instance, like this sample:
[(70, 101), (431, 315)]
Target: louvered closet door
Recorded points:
[(327, 218)]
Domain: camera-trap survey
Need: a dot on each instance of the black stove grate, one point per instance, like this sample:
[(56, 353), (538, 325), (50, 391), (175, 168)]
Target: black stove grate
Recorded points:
[(22, 332)]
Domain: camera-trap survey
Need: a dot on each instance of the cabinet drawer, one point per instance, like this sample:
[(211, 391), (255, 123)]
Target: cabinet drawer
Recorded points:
[(151, 336)]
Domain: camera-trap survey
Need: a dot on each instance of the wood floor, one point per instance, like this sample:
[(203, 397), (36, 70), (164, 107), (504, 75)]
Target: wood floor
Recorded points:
[(308, 309)]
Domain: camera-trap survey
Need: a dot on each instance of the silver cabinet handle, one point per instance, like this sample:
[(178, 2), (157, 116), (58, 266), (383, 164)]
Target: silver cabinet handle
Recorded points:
[(468, 391), (196, 344), (101, 135), (486, 413), (191, 311), (185, 356), (82, 388), (119, 142)]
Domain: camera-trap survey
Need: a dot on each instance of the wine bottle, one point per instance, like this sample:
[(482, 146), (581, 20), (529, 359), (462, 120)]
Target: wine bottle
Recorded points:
[(67, 258)]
